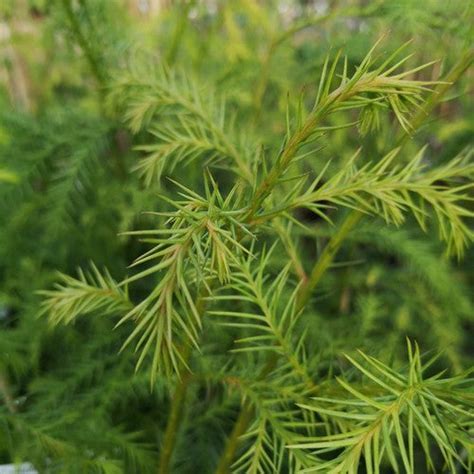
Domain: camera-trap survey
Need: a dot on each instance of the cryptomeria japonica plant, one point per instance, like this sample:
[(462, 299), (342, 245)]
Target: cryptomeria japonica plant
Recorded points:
[(270, 229)]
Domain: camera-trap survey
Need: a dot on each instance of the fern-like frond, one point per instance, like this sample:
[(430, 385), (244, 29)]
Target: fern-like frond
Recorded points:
[(274, 424), (192, 124), (269, 323), (198, 246), (88, 293), (78, 162), (264, 452), (390, 190), (368, 85), (428, 410)]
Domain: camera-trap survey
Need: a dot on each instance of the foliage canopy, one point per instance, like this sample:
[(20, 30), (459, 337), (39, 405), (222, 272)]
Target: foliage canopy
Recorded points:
[(260, 215)]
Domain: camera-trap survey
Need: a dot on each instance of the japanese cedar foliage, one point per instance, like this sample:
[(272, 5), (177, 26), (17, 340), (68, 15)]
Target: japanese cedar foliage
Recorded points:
[(260, 216)]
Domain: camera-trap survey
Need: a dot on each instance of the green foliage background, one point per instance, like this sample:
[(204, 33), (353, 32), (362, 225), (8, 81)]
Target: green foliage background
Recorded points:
[(296, 300)]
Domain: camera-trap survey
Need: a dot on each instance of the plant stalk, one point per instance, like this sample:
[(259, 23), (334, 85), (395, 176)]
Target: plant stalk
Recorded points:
[(240, 426), (327, 257), (177, 406), (461, 66), (174, 419)]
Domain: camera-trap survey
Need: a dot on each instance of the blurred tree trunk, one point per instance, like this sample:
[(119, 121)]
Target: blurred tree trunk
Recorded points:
[(13, 70)]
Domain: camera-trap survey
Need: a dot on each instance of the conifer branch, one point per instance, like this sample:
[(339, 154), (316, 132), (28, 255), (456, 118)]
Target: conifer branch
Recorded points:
[(331, 249), (273, 329), (350, 94), (198, 247), (413, 406), (390, 189), (251, 369), (88, 293), (151, 93)]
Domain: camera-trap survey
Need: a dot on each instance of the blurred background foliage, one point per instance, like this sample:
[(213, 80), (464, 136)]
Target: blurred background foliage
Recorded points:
[(69, 188)]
